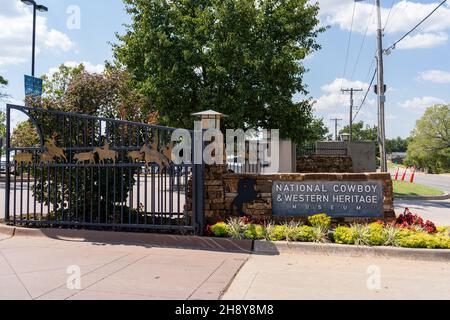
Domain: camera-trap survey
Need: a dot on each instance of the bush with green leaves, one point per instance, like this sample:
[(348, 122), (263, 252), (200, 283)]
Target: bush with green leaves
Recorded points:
[(276, 232), (302, 234), (320, 220), (236, 228), (220, 229), (374, 234), (344, 235), (411, 239), (255, 232)]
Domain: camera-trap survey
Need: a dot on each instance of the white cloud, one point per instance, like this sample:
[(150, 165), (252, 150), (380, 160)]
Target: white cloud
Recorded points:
[(423, 40), (420, 103), (16, 31), (403, 16), (334, 100), (92, 68), (435, 76)]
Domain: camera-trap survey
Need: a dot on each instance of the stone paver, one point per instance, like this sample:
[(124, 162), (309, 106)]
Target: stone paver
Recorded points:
[(37, 268), (295, 276)]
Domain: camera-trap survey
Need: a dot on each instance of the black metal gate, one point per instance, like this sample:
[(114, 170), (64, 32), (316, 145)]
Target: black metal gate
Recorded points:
[(95, 172)]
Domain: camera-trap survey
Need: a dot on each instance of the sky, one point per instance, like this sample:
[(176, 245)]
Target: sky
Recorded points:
[(417, 72)]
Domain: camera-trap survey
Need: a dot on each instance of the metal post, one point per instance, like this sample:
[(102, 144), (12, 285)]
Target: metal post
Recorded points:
[(7, 169), (34, 40), (198, 215), (380, 90)]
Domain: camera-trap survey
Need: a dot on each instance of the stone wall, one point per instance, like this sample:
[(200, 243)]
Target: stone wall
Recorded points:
[(221, 189), (322, 164)]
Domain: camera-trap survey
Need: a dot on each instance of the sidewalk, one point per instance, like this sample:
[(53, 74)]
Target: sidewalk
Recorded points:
[(37, 268), (297, 277)]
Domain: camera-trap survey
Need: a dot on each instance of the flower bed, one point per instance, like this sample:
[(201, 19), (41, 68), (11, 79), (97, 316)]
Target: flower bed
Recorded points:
[(409, 231)]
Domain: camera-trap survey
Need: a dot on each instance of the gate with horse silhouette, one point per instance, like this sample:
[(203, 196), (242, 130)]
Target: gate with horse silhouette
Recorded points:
[(94, 172)]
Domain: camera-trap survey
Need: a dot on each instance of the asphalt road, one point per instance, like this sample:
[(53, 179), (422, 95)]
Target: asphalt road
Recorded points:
[(438, 181)]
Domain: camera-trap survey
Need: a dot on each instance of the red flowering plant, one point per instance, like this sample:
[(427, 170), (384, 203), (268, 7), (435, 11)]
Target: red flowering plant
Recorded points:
[(412, 221)]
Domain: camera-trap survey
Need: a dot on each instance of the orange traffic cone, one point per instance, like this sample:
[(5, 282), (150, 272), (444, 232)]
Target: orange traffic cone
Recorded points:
[(412, 175), (404, 174)]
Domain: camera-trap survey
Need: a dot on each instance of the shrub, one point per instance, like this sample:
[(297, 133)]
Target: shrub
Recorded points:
[(392, 235), (276, 233), (236, 228), (444, 230), (320, 234), (412, 221), (344, 235), (362, 234), (301, 233), (254, 232), (320, 220), (377, 235), (219, 229), (410, 239)]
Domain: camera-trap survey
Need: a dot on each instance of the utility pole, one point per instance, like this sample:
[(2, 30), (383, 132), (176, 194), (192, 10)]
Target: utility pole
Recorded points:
[(336, 120), (351, 90), (381, 91)]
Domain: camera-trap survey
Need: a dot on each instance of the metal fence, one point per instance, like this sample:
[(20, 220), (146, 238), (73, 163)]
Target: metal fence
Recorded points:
[(2, 157), (101, 173)]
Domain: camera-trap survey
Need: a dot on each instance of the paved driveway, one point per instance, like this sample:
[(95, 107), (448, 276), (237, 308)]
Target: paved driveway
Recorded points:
[(42, 268)]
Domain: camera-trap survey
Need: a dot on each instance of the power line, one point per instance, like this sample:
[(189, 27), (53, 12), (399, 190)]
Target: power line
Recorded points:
[(389, 15), (366, 94), (415, 27), (348, 45), (362, 43)]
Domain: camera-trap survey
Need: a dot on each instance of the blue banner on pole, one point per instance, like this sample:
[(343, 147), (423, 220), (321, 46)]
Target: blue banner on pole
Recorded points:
[(33, 86)]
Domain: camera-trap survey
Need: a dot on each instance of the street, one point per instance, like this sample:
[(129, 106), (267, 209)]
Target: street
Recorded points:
[(441, 182)]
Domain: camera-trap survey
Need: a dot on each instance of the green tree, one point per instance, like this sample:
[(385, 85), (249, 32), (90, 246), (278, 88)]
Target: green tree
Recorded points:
[(239, 57), (430, 140), (319, 132), (397, 145), (77, 91), (362, 132), (3, 82), (24, 135)]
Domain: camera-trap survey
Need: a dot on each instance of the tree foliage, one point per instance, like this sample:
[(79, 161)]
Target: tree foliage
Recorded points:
[(24, 135), (239, 57), (362, 132), (430, 140), (397, 145), (3, 82), (75, 90)]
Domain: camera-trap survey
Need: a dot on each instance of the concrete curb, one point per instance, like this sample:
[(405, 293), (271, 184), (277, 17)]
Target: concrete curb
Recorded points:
[(129, 238), (274, 248), (442, 197)]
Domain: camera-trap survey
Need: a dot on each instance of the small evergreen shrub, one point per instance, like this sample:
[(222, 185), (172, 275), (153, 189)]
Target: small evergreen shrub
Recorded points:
[(254, 232), (320, 220), (220, 229), (344, 235)]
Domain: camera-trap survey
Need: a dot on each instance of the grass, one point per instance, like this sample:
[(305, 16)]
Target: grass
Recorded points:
[(393, 166), (414, 189)]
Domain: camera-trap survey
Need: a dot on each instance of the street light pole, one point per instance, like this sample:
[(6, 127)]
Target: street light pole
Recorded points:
[(34, 41), (40, 8)]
